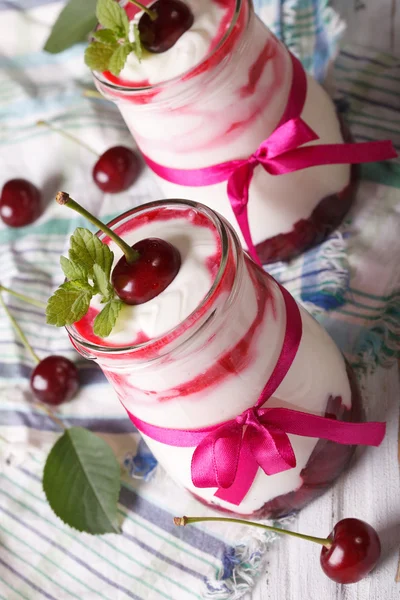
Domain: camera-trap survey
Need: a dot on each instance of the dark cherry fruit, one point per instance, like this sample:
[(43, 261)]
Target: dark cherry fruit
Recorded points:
[(354, 552), (173, 19), (54, 380), (155, 268), (20, 203), (116, 170), (349, 553)]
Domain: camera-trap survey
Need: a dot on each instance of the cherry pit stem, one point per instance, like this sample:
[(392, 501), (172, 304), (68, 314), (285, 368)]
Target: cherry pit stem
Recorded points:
[(152, 13), (64, 199), (182, 521), (67, 135), (19, 331), (22, 297)]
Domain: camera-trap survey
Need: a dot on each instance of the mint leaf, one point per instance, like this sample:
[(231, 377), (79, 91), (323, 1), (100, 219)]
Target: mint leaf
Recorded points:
[(69, 303), (102, 282), (73, 270), (118, 59), (81, 480), (73, 25), (106, 319), (106, 36), (87, 250), (112, 16), (98, 55), (138, 44)]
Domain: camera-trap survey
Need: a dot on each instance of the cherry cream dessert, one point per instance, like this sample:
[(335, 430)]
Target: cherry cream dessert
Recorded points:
[(206, 82), (219, 350)]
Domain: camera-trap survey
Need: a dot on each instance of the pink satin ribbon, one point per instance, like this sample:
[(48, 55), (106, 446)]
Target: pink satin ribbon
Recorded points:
[(229, 454), (282, 152)]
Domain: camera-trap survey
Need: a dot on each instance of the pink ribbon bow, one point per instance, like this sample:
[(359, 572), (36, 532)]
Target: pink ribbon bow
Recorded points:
[(228, 455), (282, 152)]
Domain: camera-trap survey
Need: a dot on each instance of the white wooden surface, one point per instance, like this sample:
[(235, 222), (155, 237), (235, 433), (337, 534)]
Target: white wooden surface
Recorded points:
[(370, 489)]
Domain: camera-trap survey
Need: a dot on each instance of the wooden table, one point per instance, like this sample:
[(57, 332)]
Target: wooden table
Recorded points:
[(370, 489)]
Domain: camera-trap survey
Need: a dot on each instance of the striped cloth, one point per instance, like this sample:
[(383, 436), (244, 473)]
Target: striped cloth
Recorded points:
[(350, 283)]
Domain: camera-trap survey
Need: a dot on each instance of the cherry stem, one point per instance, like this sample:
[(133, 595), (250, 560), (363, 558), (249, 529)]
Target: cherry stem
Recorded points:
[(130, 254), (22, 297), (93, 94), (182, 521), (152, 13), (19, 331), (50, 414), (67, 135)]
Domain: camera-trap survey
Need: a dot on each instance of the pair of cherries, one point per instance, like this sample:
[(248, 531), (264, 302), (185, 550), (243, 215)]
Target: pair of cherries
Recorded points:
[(115, 171)]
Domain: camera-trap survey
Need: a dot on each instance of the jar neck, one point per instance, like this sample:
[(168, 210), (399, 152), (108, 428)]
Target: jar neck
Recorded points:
[(186, 334)]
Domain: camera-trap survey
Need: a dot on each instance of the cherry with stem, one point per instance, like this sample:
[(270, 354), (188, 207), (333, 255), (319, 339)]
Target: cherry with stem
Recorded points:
[(348, 554), (114, 171), (54, 379), (145, 270)]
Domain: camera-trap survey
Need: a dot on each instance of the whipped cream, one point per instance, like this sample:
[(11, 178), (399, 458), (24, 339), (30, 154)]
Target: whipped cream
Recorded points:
[(189, 50)]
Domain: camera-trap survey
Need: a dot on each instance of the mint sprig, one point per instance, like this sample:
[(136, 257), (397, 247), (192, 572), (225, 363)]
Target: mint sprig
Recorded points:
[(112, 45), (88, 271)]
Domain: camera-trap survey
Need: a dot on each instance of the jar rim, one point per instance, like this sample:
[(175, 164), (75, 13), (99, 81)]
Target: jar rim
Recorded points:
[(169, 82), (221, 227)]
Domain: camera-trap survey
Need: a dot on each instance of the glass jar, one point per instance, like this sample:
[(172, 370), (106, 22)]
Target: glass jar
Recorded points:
[(213, 366), (221, 110)]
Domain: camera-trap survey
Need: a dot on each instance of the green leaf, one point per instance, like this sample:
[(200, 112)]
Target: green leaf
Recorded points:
[(69, 303), (112, 16), (118, 59), (73, 25), (138, 43), (106, 36), (73, 270), (98, 56), (106, 319), (86, 249), (81, 480), (102, 282)]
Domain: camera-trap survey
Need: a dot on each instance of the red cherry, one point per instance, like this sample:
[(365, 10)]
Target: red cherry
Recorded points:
[(19, 203), (140, 281), (116, 170), (54, 380), (354, 552), (173, 19)]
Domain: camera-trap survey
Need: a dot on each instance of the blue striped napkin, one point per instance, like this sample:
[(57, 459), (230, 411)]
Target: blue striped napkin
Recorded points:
[(350, 283)]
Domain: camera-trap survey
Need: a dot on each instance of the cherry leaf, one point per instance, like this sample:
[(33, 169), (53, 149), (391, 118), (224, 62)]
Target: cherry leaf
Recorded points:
[(73, 25), (81, 481)]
